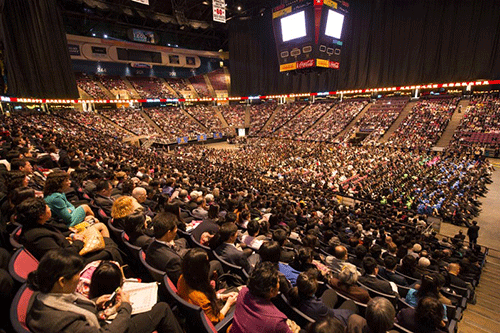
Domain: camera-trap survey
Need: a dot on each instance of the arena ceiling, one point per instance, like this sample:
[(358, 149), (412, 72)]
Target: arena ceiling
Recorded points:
[(186, 23)]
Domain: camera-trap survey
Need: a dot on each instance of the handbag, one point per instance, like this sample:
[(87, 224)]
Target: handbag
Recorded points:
[(93, 240)]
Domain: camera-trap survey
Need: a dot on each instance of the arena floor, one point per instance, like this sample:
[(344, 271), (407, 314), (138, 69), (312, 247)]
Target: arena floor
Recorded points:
[(488, 220)]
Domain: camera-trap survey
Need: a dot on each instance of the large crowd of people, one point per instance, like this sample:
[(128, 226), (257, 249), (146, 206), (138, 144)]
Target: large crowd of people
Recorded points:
[(377, 120), (273, 207), (335, 121), (200, 86), (234, 114), (151, 87), (130, 119), (90, 86), (425, 123), (93, 121), (284, 113), (207, 116), (259, 114), (300, 123), (174, 123), (480, 125), (114, 84)]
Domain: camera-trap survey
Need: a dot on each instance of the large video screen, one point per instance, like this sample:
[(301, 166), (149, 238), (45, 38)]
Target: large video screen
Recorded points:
[(334, 24), (293, 26)]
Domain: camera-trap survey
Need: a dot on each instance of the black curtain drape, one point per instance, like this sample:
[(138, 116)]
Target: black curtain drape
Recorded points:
[(387, 43), (36, 52)]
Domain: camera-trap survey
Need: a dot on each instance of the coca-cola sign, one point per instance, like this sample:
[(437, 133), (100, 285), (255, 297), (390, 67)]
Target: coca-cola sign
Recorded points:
[(305, 63)]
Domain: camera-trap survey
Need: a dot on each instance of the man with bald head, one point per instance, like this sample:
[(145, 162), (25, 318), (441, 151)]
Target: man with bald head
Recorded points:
[(141, 195)]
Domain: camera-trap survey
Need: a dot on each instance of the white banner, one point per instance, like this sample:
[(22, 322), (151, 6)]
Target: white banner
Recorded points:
[(144, 2), (219, 9)]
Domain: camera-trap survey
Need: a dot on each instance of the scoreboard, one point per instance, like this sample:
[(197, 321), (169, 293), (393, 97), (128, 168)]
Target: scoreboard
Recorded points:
[(309, 34)]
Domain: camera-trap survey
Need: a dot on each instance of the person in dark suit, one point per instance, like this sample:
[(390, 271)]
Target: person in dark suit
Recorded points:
[(370, 278), (228, 234), (280, 236), (473, 233), (103, 197), (388, 272), (163, 253)]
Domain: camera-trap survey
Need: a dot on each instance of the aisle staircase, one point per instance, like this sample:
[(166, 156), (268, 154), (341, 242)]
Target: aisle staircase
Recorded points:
[(105, 90), (319, 120), (169, 88), (354, 121), (270, 120), (402, 116), (221, 117), (83, 94), (447, 136), (211, 89), (484, 316), (190, 116), (130, 88), (151, 122)]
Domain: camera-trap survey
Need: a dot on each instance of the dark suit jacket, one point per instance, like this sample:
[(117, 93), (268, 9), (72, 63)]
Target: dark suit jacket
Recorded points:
[(40, 239), (162, 257), (205, 226), (104, 202), (376, 284), (232, 255), (397, 279)]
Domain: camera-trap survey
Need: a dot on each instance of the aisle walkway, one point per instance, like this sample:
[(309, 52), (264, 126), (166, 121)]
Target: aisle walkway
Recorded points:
[(489, 219)]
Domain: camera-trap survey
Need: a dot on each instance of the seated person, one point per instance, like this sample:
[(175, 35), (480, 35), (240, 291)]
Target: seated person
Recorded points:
[(194, 286), (56, 184), (57, 308), (370, 278), (326, 325), (388, 272), (280, 235), (426, 317), (208, 225), (303, 260), (250, 237), (136, 228), (431, 284), (164, 253), (228, 233), (122, 207), (303, 296), (103, 197), (270, 251), (346, 284), (254, 310), (39, 234), (379, 317)]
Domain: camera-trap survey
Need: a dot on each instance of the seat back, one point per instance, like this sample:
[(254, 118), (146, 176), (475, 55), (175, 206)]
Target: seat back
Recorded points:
[(195, 243), (230, 268), (102, 215), (376, 293), (134, 250), (19, 309), (361, 306), (156, 274), (21, 264), (196, 320), (400, 329), (116, 233), (292, 312), (402, 290), (14, 238)]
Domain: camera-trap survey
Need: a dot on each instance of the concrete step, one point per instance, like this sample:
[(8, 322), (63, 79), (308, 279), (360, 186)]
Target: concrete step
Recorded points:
[(469, 327), (481, 321), (489, 297), (447, 136), (486, 311)]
